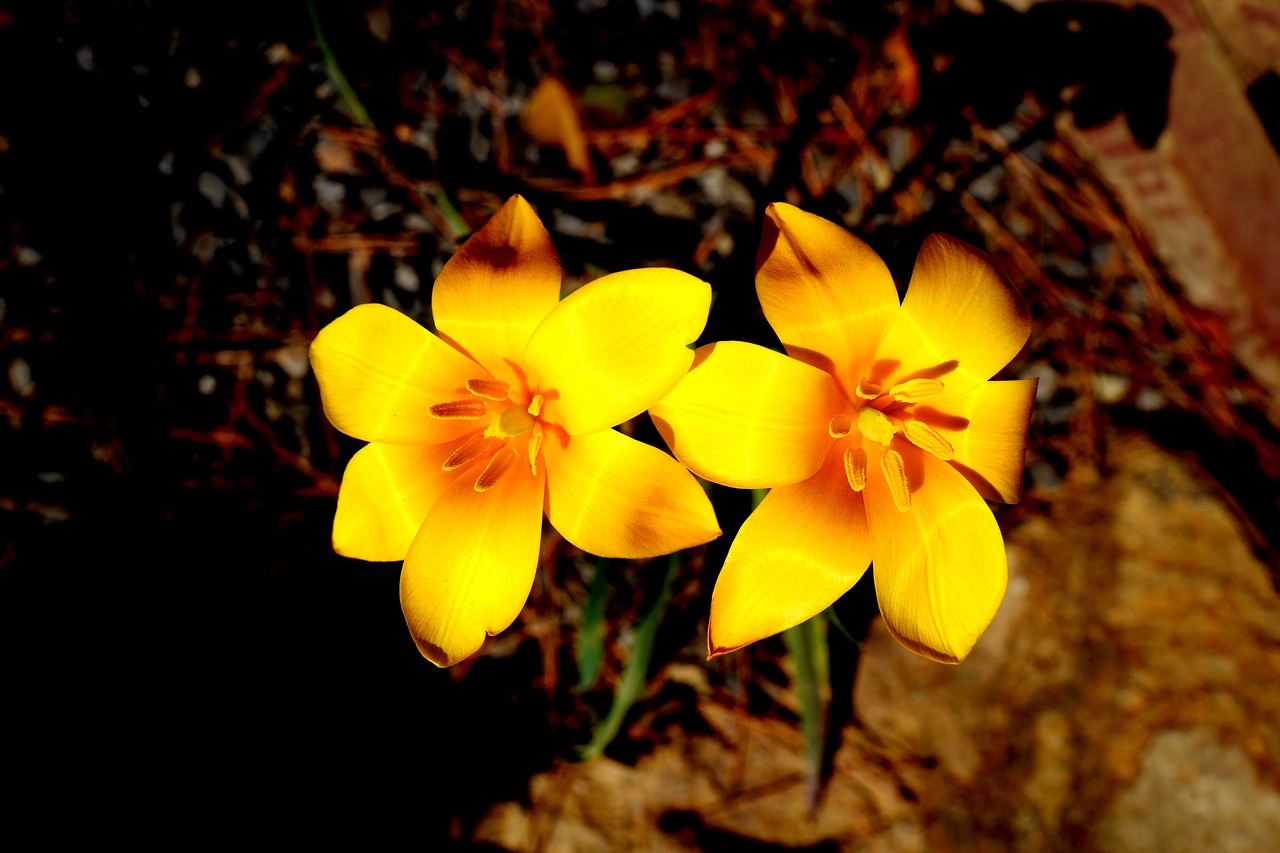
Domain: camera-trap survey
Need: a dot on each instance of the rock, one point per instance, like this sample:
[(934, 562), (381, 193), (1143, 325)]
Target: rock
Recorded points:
[(1123, 699), (1138, 617), (1208, 191)]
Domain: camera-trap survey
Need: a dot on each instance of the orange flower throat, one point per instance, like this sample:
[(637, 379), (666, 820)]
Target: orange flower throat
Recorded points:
[(491, 399), (882, 417)]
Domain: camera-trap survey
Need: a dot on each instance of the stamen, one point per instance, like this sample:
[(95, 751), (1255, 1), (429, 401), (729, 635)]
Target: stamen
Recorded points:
[(929, 439), (895, 473), (466, 452), (867, 390), (459, 410), (915, 390), (855, 468), (840, 426), (535, 405), (876, 426), (490, 389), (500, 464), (535, 449), (513, 421)]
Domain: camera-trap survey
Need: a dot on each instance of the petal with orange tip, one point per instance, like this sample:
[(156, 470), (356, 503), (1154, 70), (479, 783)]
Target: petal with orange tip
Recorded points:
[(825, 292), (613, 496), (471, 566), (940, 568), (960, 322), (495, 291)]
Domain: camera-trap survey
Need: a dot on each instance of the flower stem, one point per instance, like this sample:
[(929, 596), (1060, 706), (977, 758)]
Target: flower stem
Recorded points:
[(636, 674)]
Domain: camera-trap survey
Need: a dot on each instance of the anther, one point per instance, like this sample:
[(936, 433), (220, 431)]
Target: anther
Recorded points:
[(840, 426), (500, 464), (473, 447), (895, 474), (867, 390), (459, 410), (929, 439), (489, 389), (876, 426), (535, 405), (855, 468), (915, 390), (535, 450)]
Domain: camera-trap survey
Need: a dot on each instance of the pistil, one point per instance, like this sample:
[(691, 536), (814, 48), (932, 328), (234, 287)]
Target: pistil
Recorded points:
[(514, 420), (876, 426)]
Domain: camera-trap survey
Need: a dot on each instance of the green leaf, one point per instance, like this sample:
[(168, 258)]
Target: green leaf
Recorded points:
[(589, 645), (636, 674), (807, 645), (358, 112)]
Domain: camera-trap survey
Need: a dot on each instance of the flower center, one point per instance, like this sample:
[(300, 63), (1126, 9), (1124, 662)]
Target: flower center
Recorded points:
[(491, 399), (882, 417)]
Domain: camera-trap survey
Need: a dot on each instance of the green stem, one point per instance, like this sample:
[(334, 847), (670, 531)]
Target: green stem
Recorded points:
[(807, 645), (590, 640), (358, 111), (636, 674)]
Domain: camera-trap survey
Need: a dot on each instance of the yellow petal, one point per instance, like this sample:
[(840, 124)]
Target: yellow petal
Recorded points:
[(387, 491), (961, 321), (495, 291), (940, 567), (802, 548), (616, 346), (749, 417), (471, 566), (380, 373), (987, 428), (613, 496), (825, 292)]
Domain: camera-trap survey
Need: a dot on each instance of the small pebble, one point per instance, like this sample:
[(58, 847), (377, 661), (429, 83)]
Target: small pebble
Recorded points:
[(20, 378)]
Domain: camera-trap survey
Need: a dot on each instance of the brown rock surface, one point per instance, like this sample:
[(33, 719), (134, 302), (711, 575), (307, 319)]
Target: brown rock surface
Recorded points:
[(1209, 190), (1137, 617), (1124, 699)]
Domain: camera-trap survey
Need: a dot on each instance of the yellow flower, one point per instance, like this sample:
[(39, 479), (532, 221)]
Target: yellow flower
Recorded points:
[(879, 436), (507, 414)]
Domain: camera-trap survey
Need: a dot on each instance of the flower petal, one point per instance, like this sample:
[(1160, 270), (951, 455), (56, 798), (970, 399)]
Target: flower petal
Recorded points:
[(749, 417), (387, 491), (613, 496), (471, 566), (615, 346), (987, 428), (825, 292), (380, 373), (803, 547), (940, 566), (495, 291), (961, 321)]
